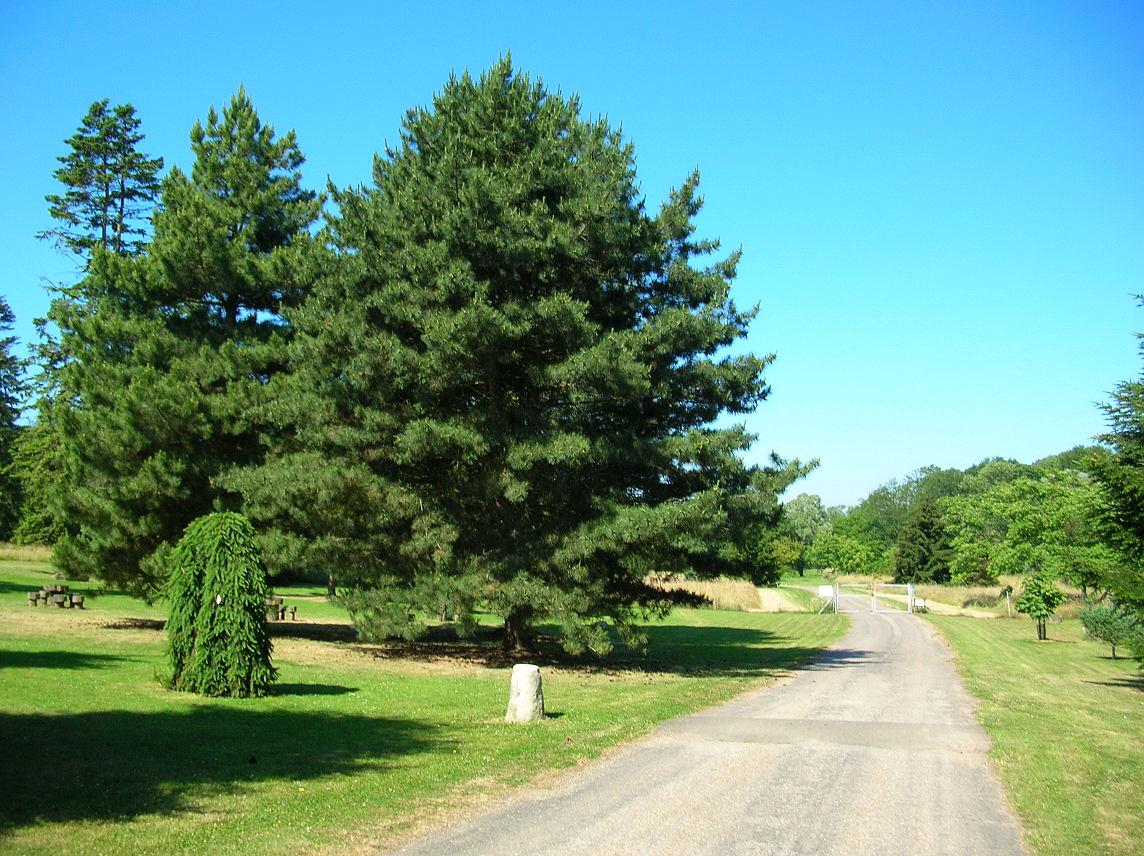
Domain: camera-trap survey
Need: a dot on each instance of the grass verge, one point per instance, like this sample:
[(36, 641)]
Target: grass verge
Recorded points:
[(1067, 724), (357, 747)]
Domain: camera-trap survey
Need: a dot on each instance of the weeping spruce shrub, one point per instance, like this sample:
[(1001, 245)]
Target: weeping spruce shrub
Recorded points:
[(216, 633)]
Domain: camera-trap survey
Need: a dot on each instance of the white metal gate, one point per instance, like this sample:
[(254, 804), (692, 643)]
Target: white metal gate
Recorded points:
[(873, 597)]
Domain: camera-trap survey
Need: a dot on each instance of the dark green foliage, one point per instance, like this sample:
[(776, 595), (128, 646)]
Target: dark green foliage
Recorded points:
[(878, 521), (36, 464), (111, 186), (509, 379), (216, 632), (1119, 472), (12, 391), (167, 355), (1112, 624), (1039, 599), (923, 548)]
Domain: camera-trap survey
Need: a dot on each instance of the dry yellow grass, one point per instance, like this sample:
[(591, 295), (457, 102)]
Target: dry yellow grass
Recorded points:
[(990, 599), (722, 592), (25, 552)]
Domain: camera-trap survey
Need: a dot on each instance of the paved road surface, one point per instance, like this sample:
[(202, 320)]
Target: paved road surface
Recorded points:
[(872, 749)]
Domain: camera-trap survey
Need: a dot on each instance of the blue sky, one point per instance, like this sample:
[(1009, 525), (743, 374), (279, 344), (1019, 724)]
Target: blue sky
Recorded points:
[(941, 206)]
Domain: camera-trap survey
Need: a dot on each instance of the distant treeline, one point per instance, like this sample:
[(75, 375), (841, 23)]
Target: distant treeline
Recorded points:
[(961, 526)]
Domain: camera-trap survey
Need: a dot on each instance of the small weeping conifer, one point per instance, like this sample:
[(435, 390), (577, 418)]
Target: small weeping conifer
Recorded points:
[(216, 634)]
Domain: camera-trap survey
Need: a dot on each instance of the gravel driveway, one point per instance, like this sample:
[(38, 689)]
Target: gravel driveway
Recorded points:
[(873, 749)]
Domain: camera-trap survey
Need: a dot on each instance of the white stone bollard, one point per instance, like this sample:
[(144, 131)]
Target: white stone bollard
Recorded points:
[(525, 694)]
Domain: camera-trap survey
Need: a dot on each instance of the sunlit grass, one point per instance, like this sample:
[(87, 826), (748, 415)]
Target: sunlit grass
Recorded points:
[(357, 746), (1067, 724)]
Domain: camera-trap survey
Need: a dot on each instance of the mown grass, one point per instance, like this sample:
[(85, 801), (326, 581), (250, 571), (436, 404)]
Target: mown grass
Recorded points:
[(358, 746), (1067, 724)]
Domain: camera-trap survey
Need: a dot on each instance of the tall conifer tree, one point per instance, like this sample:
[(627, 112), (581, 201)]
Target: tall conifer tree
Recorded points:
[(12, 390), (923, 548), (505, 392), (1119, 472), (168, 357), (110, 186)]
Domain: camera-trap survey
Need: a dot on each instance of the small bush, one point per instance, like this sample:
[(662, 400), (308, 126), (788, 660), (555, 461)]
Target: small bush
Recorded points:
[(1112, 624)]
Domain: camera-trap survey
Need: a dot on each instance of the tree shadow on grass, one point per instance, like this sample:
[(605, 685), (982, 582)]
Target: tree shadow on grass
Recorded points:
[(671, 649), (117, 765), (733, 652), (317, 630), (1132, 682), (309, 689), (57, 660), (11, 588)]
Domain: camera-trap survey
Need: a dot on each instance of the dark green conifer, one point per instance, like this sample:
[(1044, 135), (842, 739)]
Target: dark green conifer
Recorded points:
[(169, 353), (216, 632), (110, 186), (505, 391), (923, 546), (12, 391)]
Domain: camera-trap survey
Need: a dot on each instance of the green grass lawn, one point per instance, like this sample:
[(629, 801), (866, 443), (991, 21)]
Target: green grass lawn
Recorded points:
[(1067, 724), (358, 744)]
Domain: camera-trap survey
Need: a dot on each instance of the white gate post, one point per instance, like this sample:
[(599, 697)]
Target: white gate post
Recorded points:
[(910, 596), (836, 597)]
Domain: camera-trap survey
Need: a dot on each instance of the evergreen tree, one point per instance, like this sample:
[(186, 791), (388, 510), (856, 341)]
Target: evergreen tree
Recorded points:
[(36, 465), (923, 548), (111, 186), (166, 359), (505, 391), (1119, 471), (216, 633), (12, 390), (1111, 623)]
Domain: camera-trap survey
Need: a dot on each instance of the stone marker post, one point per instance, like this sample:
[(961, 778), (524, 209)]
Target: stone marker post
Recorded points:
[(525, 694)]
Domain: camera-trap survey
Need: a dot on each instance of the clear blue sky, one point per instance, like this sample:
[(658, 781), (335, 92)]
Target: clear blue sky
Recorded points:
[(941, 205)]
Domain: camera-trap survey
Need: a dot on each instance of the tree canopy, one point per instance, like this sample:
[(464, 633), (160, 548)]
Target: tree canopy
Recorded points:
[(1043, 521), (505, 388), (110, 186), (165, 356), (1119, 471)]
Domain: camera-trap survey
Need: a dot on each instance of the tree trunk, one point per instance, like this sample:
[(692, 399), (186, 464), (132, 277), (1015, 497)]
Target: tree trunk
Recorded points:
[(518, 633)]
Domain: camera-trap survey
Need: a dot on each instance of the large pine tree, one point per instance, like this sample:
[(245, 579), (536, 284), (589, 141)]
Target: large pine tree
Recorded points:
[(505, 391), (168, 354)]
